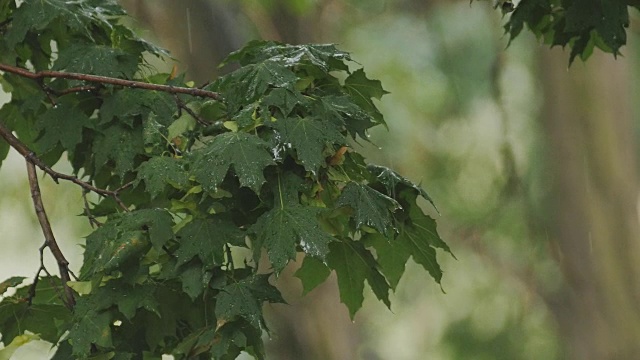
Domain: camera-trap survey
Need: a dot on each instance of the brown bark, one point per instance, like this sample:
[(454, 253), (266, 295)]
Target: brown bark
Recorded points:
[(594, 204)]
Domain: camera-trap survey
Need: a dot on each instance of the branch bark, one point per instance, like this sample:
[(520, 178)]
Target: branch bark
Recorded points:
[(109, 80), (30, 156), (50, 240)]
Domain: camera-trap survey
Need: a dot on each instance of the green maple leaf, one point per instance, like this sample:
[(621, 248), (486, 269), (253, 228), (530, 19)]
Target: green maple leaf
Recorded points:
[(131, 298), (97, 60), (391, 256), (353, 265), (312, 273), (157, 222), (236, 336), (285, 100), (419, 238), (344, 112), (206, 238), (126, 104), (249, 83), (48, 292), (62, 124), (248, 155), (90, 327), (309, 137), (283, 228), (37, 15), (244, 299), (159, 172), (324, 56), (394, 183), (119, 144), (370, 207), (16, 316), (112, 252), (125, 237), (195, 278), (288, 225), (10, 282), (363, 90), (427, 225)]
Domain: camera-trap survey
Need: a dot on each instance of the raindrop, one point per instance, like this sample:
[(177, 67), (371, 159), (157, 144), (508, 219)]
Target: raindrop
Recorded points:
[(276, 153), (189, 30)]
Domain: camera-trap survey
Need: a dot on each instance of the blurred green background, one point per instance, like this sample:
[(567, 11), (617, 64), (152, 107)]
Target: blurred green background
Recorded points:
[(532, 165)]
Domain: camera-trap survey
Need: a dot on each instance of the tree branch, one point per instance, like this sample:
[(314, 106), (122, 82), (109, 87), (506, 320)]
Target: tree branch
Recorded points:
[(109, 80), (50, 240), (32, 158)]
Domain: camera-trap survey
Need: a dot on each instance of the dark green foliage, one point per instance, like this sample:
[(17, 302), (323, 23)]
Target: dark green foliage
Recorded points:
[(206, 186), (579, 24), (246, 154)]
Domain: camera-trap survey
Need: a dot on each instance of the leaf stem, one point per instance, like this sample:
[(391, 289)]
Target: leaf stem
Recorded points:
[(280, 192)]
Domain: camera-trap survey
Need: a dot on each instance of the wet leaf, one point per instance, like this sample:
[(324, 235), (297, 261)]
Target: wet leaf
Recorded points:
[(244, 299), (206, 238), (310, 137), (370, 207), (248, 155)]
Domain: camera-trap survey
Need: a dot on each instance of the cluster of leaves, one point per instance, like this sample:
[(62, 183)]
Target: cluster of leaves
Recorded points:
[(216, 191), (580, 24)]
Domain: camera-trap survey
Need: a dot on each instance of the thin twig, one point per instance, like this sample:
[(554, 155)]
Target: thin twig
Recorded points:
[(183, 106), (32, 158), (70, 90), (50, 240), (48, 92), (87, 211), (110, 80), (118, 190)]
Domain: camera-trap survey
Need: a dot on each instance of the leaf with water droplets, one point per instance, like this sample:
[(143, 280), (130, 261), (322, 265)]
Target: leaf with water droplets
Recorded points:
[(119, 144), (343, 111), (128, 104), (159, 172), (288, 225), (125, 237), (97, 60), (363, 90), (395, 183), (63, 124), (249, 83), (246, 153), (285, 100), (244, 299), (205, 238), (77, 15), (283, 228), (324, 56), (310, 137), (370, 207)]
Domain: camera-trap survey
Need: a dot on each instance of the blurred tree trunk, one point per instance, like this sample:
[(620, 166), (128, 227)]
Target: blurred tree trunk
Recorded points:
[(198, 33), (594, 204)]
